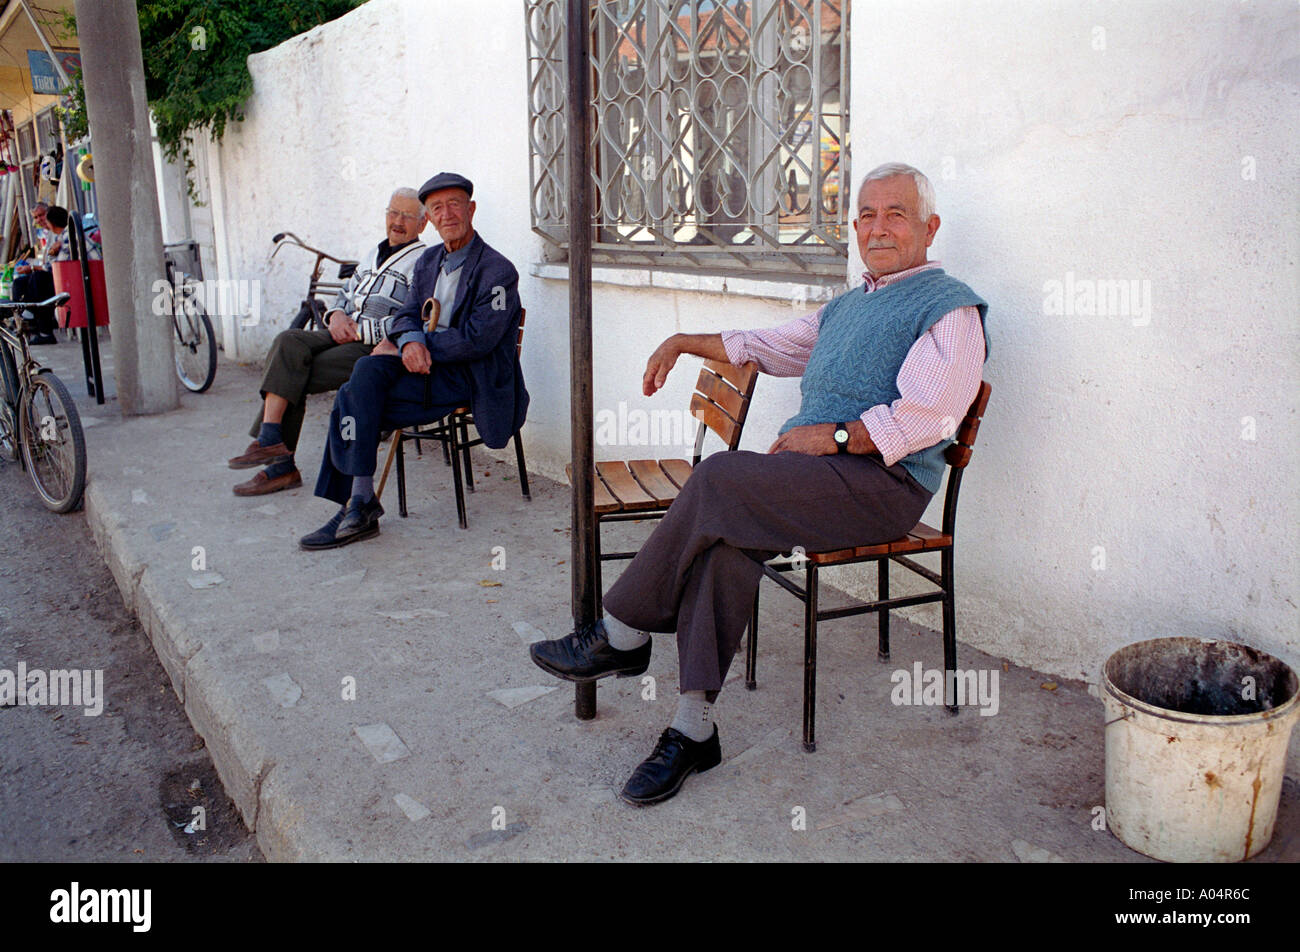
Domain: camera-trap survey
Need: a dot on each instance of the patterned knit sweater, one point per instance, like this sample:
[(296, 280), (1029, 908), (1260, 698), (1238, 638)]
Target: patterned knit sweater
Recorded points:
[(862, 342)]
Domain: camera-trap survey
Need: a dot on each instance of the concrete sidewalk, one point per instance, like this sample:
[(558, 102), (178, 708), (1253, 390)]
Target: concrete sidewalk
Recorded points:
[(457, 748)]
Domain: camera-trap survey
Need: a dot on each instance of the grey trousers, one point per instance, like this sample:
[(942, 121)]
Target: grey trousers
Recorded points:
[(698, 572), (303, 362)]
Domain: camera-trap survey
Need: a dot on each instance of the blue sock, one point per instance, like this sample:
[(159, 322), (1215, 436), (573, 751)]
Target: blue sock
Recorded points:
[(269, 434), (363, 486), (280, 469)]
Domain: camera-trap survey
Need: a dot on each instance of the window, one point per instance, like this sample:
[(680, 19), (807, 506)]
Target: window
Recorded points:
[(719, 133)]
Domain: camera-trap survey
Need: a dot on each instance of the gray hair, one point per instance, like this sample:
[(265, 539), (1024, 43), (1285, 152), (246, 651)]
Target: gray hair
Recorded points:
[(405, 192), (889, 170)]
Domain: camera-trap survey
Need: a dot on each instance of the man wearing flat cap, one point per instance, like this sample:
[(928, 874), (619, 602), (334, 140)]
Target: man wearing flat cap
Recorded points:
[(455, 346)]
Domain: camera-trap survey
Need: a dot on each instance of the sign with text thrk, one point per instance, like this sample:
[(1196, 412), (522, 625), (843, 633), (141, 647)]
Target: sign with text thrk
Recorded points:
[(45, 80)]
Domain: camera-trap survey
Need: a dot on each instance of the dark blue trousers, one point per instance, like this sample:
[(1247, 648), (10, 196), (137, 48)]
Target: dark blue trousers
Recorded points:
[(382, 395)]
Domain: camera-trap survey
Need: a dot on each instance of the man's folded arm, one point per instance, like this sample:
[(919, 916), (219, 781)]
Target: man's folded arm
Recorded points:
[(780, 351), (936, 384)]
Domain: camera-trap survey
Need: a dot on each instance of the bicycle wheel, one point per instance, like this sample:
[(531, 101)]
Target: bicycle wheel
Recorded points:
[(8, 421), (196, 345), (53, 444), (310, 316)]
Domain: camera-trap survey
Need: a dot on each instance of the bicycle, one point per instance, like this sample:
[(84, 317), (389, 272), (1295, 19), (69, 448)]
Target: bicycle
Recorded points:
[(38, 418), (196, 344), (311, 314)]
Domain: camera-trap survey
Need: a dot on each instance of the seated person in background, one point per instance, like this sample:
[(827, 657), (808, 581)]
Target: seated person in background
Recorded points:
[(53, 245), (33, 281), (464, 356), (303, 362), (60, 246)]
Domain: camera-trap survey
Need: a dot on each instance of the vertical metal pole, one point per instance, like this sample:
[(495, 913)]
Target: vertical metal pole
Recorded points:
[(578, 154), (144, 363), (90, 337)]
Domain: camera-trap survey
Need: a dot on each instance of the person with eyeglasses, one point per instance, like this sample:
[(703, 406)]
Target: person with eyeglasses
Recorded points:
[(454, 343), (303, 362)]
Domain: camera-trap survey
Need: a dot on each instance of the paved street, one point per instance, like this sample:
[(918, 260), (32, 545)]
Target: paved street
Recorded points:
[(118, 787), (377, 702)]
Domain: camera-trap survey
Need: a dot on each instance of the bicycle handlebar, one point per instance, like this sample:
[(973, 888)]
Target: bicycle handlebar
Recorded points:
[(288, 237)]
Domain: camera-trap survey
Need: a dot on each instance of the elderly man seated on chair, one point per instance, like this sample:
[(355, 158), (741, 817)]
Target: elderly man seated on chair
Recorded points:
[(302, 362), (456, 338), (886, 370)]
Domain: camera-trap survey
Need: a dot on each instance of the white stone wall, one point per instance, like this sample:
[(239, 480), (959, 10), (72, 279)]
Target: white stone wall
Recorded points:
[(391, 94), (1092, 141), (1069, 142)]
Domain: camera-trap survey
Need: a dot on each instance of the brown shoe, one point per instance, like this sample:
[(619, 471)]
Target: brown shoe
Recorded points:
[(257, 455), (260, 484)]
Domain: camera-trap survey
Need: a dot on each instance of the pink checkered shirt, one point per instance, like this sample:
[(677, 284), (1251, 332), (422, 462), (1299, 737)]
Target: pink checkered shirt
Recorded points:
[(937, 381)]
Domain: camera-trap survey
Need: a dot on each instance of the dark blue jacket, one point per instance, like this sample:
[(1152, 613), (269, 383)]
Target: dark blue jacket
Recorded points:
[(482, 336)]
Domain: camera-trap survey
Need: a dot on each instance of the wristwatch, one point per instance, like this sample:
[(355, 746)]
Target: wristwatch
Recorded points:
[(841, 438)]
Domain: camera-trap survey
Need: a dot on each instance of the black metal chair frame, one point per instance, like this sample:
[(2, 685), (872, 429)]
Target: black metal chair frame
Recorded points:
[(452, 431), (921, 540)]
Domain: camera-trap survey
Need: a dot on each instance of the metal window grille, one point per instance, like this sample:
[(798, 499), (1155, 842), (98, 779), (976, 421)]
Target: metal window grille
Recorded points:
[(720, 132)]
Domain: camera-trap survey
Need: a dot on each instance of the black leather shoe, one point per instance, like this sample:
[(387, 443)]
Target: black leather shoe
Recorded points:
[(674, 758), (586, 655), (360, 521), (323, 538)]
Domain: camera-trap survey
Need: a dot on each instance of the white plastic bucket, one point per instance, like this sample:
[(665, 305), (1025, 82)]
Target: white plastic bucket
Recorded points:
[(1196, 740)]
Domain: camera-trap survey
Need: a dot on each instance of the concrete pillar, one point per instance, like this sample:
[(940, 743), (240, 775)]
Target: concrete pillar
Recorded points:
[(143, 361)]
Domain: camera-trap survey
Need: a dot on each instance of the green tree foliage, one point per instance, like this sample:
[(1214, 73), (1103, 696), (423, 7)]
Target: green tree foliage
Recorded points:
[(72, 108), (196, 53), (195, 56)]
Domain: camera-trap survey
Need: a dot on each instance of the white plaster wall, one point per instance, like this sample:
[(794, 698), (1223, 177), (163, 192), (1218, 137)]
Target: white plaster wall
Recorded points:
[(1056, 149), (1113, 140), (391, 94)]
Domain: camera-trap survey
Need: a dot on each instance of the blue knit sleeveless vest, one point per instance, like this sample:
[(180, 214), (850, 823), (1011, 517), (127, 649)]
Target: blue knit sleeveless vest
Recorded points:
[(862, 342)]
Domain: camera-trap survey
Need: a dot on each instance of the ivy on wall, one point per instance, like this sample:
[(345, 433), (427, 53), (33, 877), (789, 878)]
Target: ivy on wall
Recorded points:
[(196, 61)]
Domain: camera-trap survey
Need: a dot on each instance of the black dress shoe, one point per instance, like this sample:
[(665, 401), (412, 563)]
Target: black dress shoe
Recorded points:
[(674, 758), (360, 521), (324, 538), (586, 655), (46, 338)]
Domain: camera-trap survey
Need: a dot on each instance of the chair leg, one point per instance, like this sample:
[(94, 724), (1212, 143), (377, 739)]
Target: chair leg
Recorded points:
[(446, 446), (523, 470), (810, 661), (949, 630), (751, 646), (401, 477), (456, 479), (600, 580), (882, 617), (464, 451)]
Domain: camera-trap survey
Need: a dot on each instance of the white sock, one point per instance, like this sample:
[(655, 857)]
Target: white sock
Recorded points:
[(694, 716), (621, 637)]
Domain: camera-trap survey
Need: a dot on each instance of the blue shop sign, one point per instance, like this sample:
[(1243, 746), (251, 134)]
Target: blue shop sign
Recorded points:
[(44, 78)]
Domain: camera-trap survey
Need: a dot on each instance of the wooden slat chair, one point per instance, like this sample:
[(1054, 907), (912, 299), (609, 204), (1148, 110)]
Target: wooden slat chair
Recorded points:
[(921, 539), (645, 488), (452, 431)]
